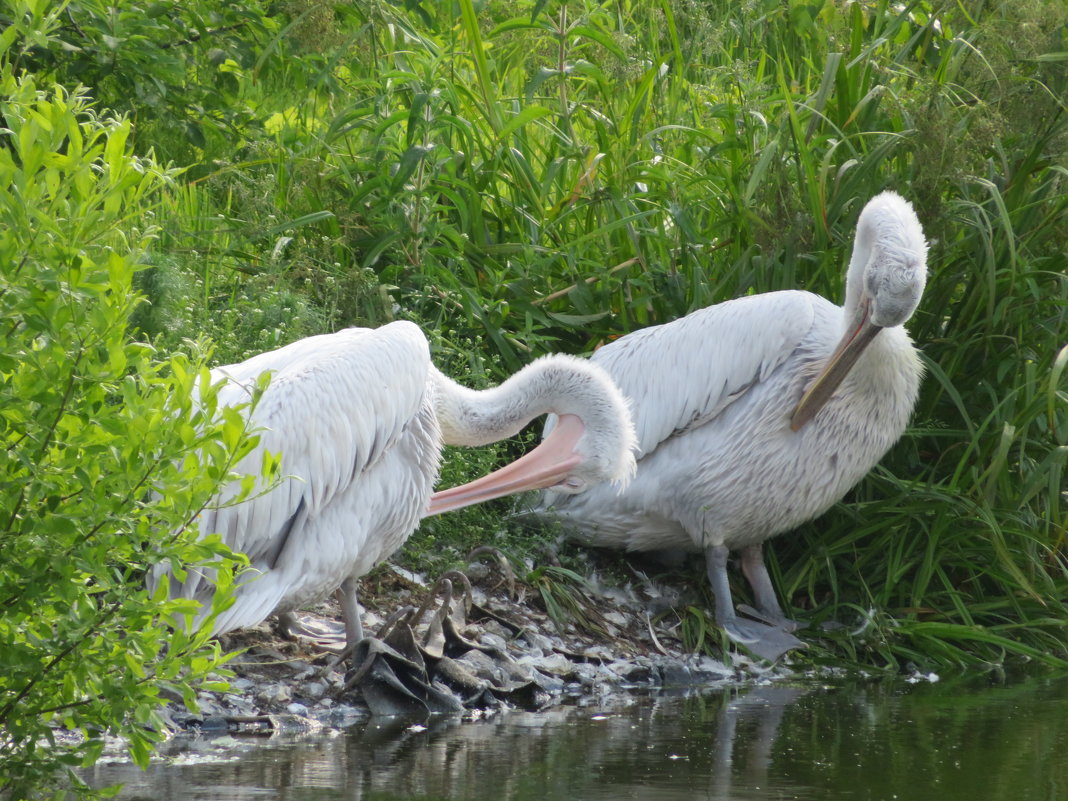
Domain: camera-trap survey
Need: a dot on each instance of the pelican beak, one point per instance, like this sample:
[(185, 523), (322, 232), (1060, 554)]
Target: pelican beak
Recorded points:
[(840, 363), (548, 464)]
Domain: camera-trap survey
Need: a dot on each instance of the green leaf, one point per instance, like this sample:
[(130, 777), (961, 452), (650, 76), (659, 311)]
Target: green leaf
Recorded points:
[(528, 114)]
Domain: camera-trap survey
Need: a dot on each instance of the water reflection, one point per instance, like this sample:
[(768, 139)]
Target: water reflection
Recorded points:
[(947, 741)]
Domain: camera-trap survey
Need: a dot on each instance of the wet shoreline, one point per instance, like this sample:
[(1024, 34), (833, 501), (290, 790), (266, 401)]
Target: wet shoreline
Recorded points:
[(466, 644)]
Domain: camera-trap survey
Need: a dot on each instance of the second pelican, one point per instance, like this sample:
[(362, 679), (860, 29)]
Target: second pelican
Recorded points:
[(758, 414)]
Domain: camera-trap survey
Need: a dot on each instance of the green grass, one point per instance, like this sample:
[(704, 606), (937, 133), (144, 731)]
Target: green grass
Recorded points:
[(520, 177)]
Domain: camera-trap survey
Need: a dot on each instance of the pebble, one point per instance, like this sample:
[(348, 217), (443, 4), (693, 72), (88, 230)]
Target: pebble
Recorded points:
[(525, 662), (617, 618), (492, 640), (274, 694)]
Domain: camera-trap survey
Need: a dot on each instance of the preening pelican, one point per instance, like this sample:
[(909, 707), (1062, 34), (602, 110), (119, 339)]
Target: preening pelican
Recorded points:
[(359, 417), (758, 414)]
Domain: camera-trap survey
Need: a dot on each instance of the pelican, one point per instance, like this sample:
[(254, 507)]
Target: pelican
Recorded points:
[(758, 414), (359, 417)]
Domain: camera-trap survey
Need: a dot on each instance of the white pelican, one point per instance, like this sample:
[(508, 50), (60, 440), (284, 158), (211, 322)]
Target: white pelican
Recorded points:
[(359, 417), (758, 414)]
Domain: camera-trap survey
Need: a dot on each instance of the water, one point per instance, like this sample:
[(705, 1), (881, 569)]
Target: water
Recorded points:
[(972, 740)]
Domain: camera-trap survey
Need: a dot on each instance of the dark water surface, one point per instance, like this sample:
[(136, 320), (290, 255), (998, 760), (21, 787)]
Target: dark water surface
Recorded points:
[(972, 740)]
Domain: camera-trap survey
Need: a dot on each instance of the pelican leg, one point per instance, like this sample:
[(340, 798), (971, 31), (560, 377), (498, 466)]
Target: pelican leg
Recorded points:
[(350, 613), (716, 564), (768, 609), (767, 642), (350, 616)]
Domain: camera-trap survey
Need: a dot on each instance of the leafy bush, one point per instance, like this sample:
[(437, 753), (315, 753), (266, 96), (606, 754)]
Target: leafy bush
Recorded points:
[(106, 458), (175, 69), (533, 176), (525, 176), (521, 176)]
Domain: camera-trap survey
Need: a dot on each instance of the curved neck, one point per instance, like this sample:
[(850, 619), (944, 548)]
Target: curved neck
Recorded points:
[(478, 417)]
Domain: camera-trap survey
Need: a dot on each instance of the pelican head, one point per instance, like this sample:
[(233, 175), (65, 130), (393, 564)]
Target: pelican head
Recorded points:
[(895, 270), (592, 423), (886, 277)]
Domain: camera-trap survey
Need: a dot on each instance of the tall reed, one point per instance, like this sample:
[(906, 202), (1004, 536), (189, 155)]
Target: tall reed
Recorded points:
[(542, 175)]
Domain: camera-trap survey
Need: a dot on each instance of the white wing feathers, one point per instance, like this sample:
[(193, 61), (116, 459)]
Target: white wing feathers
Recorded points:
[(681, 374), (334, 404)]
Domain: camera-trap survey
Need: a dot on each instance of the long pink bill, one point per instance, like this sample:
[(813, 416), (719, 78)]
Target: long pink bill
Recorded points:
[(546, 465), (838, 366)]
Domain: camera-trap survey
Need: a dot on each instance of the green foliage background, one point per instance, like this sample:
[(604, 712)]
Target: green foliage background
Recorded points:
[(106, 458), (525, 176)]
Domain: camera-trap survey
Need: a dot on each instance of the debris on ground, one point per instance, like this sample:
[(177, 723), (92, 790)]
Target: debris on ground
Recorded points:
[(472, 640)]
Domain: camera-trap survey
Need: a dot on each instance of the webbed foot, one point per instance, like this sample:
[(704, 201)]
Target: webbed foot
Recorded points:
[(324, 633), (779, 620), (767, 642)]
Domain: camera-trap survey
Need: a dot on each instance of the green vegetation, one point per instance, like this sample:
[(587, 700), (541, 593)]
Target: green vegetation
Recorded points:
[(106, 459), (520, 177)]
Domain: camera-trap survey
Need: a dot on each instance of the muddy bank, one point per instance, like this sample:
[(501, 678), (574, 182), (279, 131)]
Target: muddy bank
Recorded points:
[(464, 643)]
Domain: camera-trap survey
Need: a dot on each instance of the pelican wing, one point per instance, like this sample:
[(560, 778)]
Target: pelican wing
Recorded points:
[(335, 403), (682, 374)]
